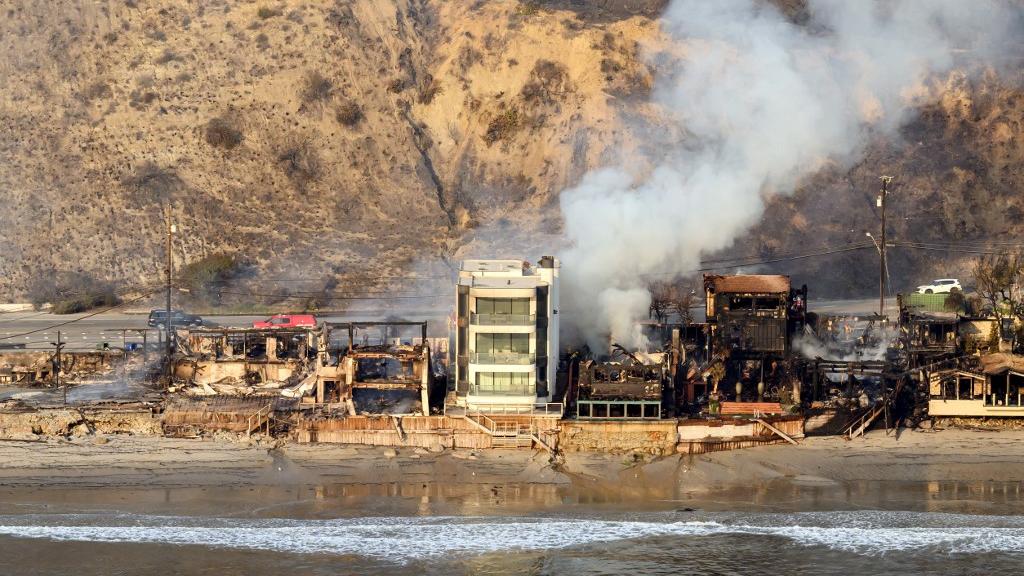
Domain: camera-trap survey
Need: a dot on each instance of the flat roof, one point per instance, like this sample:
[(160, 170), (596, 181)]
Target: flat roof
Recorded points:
[(499, 282), (748, 283), (492, 265)]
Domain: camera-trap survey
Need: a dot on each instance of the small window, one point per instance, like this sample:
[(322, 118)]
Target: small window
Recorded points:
[(741, 303)]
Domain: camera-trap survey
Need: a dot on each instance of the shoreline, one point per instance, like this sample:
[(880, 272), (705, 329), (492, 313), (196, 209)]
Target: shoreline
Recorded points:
[(132, 460)]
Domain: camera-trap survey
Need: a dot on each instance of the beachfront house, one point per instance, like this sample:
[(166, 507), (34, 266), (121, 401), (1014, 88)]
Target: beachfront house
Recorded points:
[(997, 390), (506, 334)]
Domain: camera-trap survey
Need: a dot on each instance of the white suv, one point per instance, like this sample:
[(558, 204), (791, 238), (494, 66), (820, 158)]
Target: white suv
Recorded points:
[(940, 286)]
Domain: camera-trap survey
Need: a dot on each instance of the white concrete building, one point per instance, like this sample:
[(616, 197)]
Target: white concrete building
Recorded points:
[(506, 336)]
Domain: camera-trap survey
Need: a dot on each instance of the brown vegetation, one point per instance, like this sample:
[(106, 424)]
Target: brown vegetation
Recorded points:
[(413, 128), (222, 133)]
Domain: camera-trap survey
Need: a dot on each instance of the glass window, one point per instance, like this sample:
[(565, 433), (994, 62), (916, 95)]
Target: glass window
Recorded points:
[(503, 382), (484, 343), (485, 306), (502, 305), (520, 343), (502, 343), (741, 303)]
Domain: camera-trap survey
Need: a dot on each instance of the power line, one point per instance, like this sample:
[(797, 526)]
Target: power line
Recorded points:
[(993, 252), (318, 296), (852, 248)]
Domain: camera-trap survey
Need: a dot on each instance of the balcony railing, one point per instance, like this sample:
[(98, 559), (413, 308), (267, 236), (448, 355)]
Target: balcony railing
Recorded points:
[(503, 358), (510, 390), (502, 319)]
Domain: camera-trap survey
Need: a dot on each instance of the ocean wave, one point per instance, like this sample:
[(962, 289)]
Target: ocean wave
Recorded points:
[(410, 538)]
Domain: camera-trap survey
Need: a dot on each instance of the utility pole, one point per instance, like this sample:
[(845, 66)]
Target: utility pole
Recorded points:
[(57, 365), (167, 321), (881, 260)]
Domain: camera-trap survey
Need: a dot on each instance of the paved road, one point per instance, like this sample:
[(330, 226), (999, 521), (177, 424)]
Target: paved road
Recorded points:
[(88, 333)]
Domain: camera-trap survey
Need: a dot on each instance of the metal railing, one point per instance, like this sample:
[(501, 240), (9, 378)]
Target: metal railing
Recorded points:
[(549, 409), (502, 319), (510, 390), (514, 358), (258, 419)]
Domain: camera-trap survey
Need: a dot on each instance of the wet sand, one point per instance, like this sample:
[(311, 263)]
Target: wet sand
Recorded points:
[(130, 504), (923, 463), (131, 460)]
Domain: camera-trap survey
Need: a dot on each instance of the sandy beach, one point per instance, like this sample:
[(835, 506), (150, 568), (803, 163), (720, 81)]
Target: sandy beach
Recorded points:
[(140, 460)]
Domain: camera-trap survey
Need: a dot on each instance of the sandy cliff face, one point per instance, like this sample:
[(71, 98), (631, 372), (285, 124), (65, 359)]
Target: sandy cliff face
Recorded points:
[(378, 136)]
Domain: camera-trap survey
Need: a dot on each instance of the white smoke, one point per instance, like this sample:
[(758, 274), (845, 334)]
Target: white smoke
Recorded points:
[(763, 102)]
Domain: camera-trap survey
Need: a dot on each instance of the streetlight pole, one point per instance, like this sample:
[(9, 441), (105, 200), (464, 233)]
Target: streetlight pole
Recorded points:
[(881, 260), (878, 248)]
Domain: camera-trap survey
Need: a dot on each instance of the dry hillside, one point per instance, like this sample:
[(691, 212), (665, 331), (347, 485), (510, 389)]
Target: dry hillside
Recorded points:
[(356, 137)]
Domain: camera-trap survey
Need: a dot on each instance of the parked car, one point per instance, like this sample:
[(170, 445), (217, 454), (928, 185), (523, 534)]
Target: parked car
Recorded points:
[(287, 321), (158, 318), (940, 286)]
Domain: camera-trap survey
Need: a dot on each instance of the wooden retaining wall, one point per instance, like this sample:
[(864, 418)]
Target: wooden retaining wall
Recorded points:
[(430, 432), (660, 437), (651, 436), (227, 413)]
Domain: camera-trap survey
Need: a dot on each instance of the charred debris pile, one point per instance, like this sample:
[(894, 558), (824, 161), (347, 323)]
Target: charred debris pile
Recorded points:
[(758, 355), (760, 350)]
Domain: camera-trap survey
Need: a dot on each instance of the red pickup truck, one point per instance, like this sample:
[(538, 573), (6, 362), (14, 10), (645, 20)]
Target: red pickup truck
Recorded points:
[(287, 321)]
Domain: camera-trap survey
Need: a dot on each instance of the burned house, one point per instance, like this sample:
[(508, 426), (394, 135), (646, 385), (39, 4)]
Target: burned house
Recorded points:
[(624, 384), (243, 361), (751, 321), (631, 388), (382, 375), (753, 316)]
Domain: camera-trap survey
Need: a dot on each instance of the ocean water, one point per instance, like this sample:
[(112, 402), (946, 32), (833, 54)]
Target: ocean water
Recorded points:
[(569, 541)]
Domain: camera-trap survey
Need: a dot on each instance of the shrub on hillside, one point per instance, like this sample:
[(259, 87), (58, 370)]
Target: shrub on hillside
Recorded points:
[(70, 292), (222, 133), (502, 126), (549, 82), (205, 277), (315, 88), (102, 299), (349, 114), (152, 184), (265, 12), (300, 161)]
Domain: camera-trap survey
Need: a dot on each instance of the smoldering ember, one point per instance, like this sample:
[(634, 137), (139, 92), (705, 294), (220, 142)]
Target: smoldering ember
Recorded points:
[(512, 287)]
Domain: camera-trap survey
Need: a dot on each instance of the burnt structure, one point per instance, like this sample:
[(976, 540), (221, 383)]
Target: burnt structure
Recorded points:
[(387, 376), (628, 389), (751, 321), (628, 385), (753, 316)]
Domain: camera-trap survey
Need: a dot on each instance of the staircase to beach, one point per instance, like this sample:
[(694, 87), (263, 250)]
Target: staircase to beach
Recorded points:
[(860, 423), (505, 433)]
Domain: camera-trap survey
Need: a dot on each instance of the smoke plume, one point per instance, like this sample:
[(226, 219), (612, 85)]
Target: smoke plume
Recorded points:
[(761, 102)]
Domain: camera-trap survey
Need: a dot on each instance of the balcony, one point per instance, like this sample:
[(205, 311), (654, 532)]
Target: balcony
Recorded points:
[(502, 319), (504, 390), (508, 358)]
